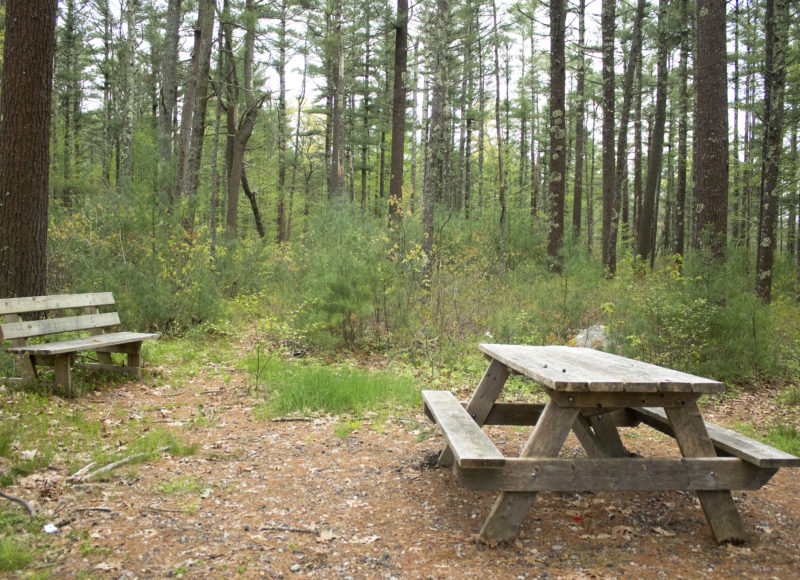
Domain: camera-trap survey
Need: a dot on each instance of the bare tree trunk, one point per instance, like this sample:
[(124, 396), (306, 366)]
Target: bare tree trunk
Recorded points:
[(398, 112), (166, 101), (25, 111), (558, 132), (501, 182), (124, 179), (777, 42), (580, 122), (711, 129), (609, 243), (282, 235), (683, 112), (648, 219), (336, 172)]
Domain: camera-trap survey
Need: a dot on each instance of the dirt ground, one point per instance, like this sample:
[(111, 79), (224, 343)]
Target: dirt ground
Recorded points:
[(279, 499)]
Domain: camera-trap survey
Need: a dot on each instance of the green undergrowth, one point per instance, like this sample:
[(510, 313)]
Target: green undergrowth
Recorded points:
[(289, 388)]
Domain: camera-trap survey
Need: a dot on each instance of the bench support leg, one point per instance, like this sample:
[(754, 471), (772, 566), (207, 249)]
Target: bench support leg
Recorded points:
[(481, 402), (63, 365), (718, 506), (511, 507)]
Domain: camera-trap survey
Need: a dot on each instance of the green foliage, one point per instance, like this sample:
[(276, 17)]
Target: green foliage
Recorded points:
[(14, 554), (322, 389), (785, 438)]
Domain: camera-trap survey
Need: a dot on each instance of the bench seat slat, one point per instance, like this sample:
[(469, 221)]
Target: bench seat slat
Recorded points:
[(57, 302), (470, 445), (85, 343), (29, 328), (730, 442)]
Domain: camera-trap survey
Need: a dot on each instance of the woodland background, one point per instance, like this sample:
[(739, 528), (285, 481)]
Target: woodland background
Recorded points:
[(418, 178)]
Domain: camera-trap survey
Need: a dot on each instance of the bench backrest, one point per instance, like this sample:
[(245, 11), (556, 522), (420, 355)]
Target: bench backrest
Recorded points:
[(15, 328)]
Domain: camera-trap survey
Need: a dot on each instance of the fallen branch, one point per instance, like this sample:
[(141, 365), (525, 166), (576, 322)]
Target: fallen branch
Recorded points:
[(20, 501), (80, 473), (115, 464), (289, 529), (292, 419)]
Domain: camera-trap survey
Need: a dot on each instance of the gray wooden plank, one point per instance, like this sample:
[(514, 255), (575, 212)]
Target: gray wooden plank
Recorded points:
[(55, 302), (470, 446), (730, 442), (29, 328), (617, 474), (85, 343), (566, 368)]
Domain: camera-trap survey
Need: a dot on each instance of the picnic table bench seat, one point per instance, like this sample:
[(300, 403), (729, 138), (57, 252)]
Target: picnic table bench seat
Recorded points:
[(55, 317), (592, 393)]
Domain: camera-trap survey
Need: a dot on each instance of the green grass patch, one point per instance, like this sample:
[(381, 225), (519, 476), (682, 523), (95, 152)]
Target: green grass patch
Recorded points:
[(790, 397), (784, 437), (291, 388)]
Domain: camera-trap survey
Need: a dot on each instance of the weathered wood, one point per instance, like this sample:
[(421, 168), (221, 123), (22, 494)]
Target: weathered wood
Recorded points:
[(693, 440), (31, 328), (56, 302), (725, 440), (62, 354), (564, 368), (616, 474), (604, 402), (102, 341), (511, 508), (583, 431), (470, 446), (482, 401), (606, 432), (521, 414)]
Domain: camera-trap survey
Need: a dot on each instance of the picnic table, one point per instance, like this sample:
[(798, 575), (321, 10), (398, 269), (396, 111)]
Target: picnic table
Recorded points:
[(592, 393)]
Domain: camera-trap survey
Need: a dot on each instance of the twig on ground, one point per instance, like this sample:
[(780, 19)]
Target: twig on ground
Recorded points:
[(80, 473), (20, 501), (100, 508), (292, 419), (211, 392), (289, 529), (111, 466)]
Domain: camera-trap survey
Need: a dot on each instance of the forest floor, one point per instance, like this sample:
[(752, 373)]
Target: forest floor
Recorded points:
[(289, 498)]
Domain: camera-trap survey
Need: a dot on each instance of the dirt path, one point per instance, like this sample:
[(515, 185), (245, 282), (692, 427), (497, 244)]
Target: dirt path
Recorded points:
[(282, 499)]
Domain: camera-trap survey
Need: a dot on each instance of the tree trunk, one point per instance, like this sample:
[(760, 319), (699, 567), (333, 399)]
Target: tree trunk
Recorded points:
[(336, 171), (558, 132), (777, 42), (282, 123), (580, 122), (398, 112), (711, 129), (609, 243), (683, 127), (647, 221), (501, 182), (25, 110), (166, 101), (125, 177)]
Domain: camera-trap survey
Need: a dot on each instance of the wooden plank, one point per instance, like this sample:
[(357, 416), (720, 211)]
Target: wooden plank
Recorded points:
[(566, 368), (511, 508), (85, 343), (607, 435), (603, 402), (470, 446), (481, 402), (616, 474), (520, 414), (30, 328), (56, 302), (721, 513), (725, 440)]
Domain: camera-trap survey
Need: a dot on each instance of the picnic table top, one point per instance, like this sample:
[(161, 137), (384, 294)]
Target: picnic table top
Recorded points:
[(575, 369)]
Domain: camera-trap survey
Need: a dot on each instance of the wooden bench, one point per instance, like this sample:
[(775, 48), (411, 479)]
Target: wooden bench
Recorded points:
[(55, 317), (593, 393)]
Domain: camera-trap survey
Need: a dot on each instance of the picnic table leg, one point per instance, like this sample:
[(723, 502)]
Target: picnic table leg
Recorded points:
[(720, 510), (481, 402), (511, 507)]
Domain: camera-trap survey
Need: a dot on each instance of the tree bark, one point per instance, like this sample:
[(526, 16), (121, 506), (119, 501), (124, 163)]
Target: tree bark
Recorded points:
[(678, 246), (166, 101), (501, 182), (711, 129), (398, 112), (777, 42), (648, 218), (609, 243), (25, 110), (580, 122), (558, 132)]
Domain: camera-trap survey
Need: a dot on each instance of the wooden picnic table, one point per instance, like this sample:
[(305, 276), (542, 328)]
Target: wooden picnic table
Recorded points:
[(593, 393)]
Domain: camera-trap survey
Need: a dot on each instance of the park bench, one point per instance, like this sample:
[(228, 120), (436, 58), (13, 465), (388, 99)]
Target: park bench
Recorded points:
[(593, 393), (42, 317)]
